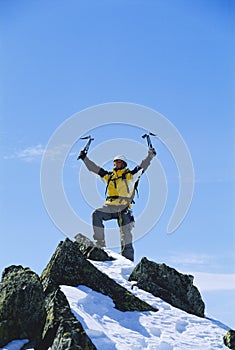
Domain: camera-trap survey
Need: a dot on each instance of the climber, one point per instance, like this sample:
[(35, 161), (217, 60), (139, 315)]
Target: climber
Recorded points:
[(120, 187)]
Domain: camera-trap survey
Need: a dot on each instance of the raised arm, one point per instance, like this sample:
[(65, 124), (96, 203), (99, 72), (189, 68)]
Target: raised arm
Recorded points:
[(146, 162), (140, 169), (91, 166)]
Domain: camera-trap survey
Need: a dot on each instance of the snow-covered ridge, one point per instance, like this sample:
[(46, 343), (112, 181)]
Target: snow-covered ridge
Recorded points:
[(109, 328), (167, 329)]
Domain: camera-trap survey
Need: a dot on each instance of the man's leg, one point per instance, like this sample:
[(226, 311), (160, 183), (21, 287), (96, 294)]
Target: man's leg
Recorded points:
[(98, 216), (126, 223)]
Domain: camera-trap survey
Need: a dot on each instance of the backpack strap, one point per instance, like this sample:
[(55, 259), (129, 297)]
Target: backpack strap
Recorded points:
[(108, 182), (125, 180)]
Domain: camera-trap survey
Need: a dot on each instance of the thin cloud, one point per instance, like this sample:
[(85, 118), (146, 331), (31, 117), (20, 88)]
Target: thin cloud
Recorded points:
[(58, 152), (28, 154), (34, 153)]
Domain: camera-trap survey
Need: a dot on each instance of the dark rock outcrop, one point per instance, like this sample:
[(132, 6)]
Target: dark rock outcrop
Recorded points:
[(90, 250), (62, 330), (170, 285), (229, 339), (68, 266), (22, 305)]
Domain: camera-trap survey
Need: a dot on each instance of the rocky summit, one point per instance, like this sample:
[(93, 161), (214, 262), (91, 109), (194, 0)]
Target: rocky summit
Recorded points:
[(68, 266), (36, 308)]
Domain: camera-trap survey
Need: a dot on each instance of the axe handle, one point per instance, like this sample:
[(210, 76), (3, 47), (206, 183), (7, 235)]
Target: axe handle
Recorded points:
[(86, 148)]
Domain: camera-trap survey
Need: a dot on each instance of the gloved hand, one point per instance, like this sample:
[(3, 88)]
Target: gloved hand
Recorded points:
[(152, 153), (82, 155)]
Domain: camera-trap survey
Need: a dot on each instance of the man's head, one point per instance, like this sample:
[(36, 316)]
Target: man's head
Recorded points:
[(119, 162)]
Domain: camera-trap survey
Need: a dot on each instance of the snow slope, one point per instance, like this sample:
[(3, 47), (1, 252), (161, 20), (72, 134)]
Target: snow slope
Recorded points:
[(167, 329), (111, 329)]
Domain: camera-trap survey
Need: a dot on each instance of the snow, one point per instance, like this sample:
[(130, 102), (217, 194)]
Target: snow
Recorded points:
[(167, 329), (111, 329)]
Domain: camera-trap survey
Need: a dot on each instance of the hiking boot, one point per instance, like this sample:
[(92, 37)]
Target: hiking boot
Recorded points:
[(128, 252), (128, 256)]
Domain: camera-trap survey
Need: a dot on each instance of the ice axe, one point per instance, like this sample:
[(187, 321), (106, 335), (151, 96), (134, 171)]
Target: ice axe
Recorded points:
[(147, 136), (86, 148)]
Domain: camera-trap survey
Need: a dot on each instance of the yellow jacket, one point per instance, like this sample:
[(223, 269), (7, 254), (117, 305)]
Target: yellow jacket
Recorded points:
[(120, 184)]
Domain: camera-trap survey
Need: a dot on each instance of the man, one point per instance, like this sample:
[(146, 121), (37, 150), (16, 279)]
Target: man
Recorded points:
[(121, 183)]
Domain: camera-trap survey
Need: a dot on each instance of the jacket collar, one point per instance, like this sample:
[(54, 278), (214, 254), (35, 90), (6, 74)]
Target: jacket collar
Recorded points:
[(119, 171)]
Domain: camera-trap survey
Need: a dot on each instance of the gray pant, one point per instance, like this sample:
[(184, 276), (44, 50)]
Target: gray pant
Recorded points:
[(125, 221)]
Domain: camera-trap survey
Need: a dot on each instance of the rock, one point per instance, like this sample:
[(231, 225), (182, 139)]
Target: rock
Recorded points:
[(62, 330), (68, 266), (229, 339), (90, 250), (69, 337), (22, 305), (64, 267), (170, 285)]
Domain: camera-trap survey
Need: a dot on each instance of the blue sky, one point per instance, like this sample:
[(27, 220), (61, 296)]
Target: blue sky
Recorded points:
[(176, 57)]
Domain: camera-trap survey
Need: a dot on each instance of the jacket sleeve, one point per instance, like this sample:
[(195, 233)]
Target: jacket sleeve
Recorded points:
[(146, 162), (91, 166)]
